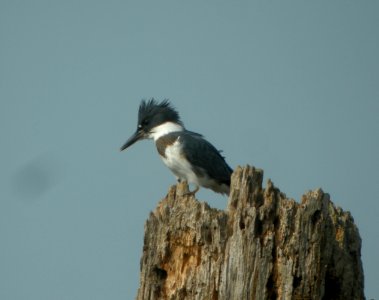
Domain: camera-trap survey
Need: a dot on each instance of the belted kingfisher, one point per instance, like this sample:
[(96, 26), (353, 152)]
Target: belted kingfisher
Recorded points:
[(187, 154)]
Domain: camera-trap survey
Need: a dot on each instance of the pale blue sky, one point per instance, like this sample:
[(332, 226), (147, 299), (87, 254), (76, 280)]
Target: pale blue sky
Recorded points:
[(288, 86)]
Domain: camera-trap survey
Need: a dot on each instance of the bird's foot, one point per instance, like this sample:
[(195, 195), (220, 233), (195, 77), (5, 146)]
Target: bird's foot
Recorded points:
[(191, 193)]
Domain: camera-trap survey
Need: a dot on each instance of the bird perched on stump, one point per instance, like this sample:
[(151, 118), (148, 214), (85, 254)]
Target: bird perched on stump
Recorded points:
[(187, 154)]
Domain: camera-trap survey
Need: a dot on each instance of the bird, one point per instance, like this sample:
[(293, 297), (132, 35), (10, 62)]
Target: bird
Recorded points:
[(187, 154)]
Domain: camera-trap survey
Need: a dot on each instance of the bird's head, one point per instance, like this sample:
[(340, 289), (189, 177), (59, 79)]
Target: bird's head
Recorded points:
[(154, 120)]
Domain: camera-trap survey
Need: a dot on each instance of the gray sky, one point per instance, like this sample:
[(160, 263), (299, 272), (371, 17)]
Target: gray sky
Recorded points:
[(287, 86)]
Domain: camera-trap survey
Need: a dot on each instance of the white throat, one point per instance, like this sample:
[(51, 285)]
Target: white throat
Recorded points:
[(164, 129)]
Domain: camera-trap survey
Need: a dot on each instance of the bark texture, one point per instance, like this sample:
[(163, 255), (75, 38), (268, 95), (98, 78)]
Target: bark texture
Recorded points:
[(263, 246)]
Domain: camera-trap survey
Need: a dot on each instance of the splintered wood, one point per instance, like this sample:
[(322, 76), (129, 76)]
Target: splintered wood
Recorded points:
[(264, 246)]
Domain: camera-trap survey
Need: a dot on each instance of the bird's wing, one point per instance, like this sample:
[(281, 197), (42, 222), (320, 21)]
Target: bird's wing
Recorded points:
[(206, 158)]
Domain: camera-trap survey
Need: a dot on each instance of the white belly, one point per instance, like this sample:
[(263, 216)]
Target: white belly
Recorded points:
[(177, 163)]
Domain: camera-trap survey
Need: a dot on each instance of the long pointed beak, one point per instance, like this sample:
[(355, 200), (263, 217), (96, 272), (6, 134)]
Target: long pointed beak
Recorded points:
[(138, 135)]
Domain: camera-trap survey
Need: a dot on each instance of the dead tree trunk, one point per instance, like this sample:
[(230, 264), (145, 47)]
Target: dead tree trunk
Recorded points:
[(263, 246)]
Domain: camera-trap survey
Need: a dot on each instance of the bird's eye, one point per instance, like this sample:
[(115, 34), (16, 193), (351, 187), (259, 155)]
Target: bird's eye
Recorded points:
[(144, 122)]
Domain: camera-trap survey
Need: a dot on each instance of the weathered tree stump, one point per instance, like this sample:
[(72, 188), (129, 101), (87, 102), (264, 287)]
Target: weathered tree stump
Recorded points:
[(263, 246)]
